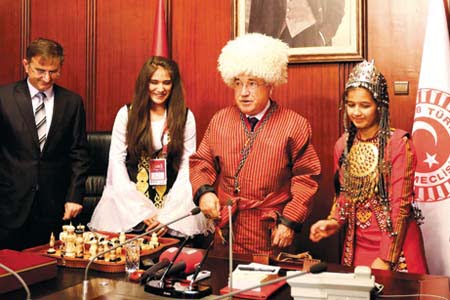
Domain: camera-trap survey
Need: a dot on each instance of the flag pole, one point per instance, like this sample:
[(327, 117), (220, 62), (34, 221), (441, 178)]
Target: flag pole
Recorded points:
[(159, 45)]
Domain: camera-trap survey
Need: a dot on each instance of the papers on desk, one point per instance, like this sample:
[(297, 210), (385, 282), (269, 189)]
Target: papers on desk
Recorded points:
[(245, 276)]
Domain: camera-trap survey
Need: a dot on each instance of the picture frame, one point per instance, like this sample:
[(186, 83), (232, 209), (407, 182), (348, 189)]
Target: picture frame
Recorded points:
[(347, 21)]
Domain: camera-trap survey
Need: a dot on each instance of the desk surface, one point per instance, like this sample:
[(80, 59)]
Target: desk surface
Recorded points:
[(68, 284)]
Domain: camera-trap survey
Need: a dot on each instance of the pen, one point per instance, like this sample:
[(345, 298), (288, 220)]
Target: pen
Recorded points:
[(244, 268)]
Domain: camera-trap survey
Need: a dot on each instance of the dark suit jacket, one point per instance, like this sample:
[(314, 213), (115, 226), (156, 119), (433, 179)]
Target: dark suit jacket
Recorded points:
[(35, 182)]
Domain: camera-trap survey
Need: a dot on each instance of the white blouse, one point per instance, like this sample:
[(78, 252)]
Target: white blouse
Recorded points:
[(122, 206)]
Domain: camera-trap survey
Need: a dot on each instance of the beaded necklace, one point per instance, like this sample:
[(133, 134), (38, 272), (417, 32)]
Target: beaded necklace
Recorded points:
[(360, 170)]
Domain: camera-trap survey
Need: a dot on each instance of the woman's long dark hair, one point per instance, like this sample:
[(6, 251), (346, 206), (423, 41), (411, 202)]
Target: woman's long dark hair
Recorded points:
[(139, 130)]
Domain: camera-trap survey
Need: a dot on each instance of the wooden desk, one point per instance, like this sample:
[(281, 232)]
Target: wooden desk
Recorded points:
[(102, 286)]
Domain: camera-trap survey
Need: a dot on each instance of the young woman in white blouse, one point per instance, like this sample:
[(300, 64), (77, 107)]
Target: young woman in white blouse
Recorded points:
[(148, 172)]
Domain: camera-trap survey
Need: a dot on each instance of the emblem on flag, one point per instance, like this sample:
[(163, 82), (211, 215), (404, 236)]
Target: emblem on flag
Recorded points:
[(432, 129)]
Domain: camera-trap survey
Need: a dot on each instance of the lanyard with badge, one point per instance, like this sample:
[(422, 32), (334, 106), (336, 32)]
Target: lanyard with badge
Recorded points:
[(158, 170)]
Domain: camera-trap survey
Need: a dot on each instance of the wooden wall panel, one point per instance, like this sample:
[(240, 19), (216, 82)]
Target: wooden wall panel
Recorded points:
[(65, 22), (10, 54), (396, 31), (124, 35), (200, 30), (313, 91)]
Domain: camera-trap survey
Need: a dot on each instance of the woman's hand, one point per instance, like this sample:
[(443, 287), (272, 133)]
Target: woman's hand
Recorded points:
[(380, 264), (153, 223), (323, 229)]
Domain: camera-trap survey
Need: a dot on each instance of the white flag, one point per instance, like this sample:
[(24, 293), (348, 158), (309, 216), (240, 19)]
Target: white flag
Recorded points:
[(431, 135)]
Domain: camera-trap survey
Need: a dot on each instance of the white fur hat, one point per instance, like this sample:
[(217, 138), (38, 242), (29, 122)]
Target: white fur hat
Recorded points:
[(256, 55)]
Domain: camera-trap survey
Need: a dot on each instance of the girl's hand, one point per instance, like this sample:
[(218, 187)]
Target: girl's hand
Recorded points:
[(323, 229)]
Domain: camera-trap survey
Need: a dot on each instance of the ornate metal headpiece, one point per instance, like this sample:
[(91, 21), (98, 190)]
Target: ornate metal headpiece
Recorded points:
[(366, 75)]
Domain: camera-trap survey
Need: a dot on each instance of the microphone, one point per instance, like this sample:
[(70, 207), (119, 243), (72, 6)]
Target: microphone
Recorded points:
[(22, 282), (178, 267), (151, 272), (230, 245), (200, 265), (192, 257), (160, 283), (186, 262), (314, 269), (193, 212)]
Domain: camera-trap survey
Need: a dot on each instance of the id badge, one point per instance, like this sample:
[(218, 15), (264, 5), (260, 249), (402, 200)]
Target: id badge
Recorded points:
[(158, 172)]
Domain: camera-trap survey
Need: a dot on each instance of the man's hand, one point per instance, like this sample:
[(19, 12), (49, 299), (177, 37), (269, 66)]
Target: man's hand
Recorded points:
[(210, 206), (71, 210), (282, 236)]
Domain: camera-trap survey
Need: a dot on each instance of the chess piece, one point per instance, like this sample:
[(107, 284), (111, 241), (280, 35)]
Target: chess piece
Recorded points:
[(113, 256), (106, 248), (88, 236), (154, 243), (70, 241), (115, 242), (140, 242), (122, 237), (146, 245), (93, 247), (101, 248), (81, 228), (62, 238), (51, 244), (79, 243)]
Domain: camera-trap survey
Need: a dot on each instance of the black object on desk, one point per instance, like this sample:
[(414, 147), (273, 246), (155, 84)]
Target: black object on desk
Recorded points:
[(179, 288)]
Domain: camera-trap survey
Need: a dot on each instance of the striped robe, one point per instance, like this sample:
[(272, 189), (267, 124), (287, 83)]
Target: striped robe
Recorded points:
[(279, 175), (363, 245)]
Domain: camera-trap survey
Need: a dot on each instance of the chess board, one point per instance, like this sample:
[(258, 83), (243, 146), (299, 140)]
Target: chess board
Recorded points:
[(100, 265)]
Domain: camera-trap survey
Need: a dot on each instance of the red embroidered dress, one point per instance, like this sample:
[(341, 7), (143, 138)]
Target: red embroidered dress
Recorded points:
[(367, 236)]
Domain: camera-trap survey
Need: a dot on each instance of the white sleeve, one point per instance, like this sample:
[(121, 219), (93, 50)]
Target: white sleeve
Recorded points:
[(121, 206), (179, 199), (117, 170)]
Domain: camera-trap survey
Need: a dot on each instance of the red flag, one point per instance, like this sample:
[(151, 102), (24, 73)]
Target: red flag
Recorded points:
[(431, 133), (160, 32)]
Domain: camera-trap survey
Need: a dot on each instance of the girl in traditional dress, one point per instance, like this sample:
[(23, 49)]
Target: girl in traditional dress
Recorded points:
[(374, 182), (148, 172)]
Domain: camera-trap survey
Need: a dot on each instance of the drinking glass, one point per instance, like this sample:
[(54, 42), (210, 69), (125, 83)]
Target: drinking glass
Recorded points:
[(132, 256)]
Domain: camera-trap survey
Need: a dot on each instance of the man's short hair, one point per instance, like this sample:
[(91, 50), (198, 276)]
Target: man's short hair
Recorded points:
[(46, 48)]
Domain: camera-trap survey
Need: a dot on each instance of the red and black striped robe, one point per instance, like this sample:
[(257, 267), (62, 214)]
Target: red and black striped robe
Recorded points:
[(279, 175)]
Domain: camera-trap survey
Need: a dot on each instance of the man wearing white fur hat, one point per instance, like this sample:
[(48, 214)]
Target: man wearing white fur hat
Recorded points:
[(266, 172)]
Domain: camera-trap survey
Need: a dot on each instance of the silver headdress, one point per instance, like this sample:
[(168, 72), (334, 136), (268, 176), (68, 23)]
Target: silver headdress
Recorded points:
[(366, 75)]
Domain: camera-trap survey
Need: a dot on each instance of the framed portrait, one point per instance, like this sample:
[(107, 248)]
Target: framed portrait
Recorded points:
[(315, 30)]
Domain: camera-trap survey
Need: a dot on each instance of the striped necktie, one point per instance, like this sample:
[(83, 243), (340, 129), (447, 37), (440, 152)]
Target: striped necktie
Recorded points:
[(41, 120)]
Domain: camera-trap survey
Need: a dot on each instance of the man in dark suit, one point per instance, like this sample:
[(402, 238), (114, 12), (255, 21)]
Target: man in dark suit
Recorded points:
[(43, 151), (299, 23)]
